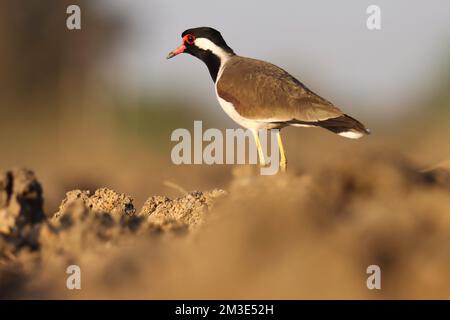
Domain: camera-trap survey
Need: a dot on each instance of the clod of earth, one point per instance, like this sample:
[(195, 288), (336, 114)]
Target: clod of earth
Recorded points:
[(180, 214), (20, 209)]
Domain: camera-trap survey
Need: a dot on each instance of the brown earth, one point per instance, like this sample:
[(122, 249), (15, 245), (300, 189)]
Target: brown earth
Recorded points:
[(286, 236)]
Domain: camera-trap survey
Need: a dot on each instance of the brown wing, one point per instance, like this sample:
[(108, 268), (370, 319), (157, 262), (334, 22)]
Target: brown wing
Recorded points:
[(263, 91)]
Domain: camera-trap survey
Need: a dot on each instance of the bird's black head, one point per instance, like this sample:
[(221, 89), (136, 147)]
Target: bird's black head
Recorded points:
[(206, 44)]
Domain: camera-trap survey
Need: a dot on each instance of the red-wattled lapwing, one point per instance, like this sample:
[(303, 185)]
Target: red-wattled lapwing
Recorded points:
[(259, 95)]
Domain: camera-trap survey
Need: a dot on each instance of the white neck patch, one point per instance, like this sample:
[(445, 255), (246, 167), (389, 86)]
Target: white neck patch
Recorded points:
[(206, 44)]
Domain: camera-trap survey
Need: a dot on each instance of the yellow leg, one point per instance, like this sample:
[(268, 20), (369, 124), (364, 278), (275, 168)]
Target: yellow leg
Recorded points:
[(262, 160), (283, 160)]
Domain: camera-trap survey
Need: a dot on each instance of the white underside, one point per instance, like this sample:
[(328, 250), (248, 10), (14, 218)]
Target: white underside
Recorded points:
[(351, 134), (303, 125), (266, 124), (244, 122)]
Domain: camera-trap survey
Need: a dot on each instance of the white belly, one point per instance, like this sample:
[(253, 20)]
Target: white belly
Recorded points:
[(246, 123)]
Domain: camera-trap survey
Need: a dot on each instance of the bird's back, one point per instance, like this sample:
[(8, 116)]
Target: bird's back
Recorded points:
[(261, 90)]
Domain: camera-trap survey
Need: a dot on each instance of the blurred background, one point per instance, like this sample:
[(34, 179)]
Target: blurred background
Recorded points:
[(96, 106)]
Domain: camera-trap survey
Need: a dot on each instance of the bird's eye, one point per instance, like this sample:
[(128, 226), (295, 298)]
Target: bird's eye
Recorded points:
[(190, 39)]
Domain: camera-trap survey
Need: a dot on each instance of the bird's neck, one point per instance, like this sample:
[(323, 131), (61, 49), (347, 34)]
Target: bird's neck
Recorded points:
[(214, 55), (215, 63)]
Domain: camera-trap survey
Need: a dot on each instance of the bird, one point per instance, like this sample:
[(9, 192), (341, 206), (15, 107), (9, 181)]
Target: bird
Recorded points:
[(260, 95)]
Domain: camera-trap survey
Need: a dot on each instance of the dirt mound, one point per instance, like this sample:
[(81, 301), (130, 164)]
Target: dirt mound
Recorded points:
[(183, 213), (20, 211), (103, 200), (285, 236), (20, 200)]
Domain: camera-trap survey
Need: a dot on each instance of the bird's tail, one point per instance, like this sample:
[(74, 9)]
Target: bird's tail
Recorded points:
[(345, 126)]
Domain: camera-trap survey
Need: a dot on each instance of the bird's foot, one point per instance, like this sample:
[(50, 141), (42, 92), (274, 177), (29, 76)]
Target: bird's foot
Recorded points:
[(264, 165), (283, 166)]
